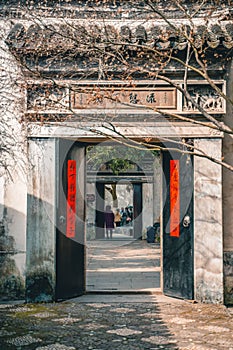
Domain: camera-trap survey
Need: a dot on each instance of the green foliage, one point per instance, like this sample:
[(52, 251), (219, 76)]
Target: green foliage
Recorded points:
[(117, 158), (118, 165)]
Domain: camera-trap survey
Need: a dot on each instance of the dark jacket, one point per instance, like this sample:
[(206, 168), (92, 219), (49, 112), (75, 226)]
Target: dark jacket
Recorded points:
[(109, 219)]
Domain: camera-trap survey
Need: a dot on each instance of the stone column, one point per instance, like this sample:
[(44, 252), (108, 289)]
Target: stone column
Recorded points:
[(41, 228), (157, 188), (208, 233), (147, 205)]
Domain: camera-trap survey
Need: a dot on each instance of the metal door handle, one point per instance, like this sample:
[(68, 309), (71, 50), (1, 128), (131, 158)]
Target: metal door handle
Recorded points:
[(62, 219), (186, 221)]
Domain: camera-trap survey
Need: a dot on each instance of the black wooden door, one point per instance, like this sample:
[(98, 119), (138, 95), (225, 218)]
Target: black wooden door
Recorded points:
[(137, 210), (99, 220), (178, 225), (70, 247)]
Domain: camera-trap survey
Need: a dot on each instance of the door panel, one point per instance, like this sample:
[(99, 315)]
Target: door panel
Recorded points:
[(137, 210), (99, 220), (70, 240), (178, 225)]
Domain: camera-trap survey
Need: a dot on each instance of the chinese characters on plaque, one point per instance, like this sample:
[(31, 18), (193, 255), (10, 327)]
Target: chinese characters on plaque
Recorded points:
[(125, 98), (71, 199), (54, 99)]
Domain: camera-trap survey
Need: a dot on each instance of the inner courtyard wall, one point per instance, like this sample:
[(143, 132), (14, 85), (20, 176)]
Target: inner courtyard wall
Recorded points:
[(125, 199)]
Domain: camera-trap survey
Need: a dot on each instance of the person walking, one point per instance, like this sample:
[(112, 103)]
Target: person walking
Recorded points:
[(128, 217), (123, 216), (118, 218), (109, 220)]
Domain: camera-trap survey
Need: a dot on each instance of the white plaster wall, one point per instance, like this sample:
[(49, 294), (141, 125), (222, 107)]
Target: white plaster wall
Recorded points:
[(13, 164), (13, 136), (208, 235), (147, 205), (16, 206), (124, 195), (2, 195)]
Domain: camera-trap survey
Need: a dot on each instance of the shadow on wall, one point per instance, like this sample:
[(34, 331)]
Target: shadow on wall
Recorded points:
[(12, 280), (228, 278)]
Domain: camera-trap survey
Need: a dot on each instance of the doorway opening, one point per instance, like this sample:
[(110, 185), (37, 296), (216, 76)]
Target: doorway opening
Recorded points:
[(73, 172), (128, 262), (120, 197)]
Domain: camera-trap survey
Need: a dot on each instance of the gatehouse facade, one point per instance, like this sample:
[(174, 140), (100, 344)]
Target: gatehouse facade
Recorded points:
[(58, 100)]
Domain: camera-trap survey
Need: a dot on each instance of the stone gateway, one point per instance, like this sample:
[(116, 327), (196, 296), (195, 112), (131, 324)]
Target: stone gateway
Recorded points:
[(140, 74)]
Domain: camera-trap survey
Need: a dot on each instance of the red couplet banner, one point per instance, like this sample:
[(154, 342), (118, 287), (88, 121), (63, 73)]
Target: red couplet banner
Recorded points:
[(174, 199), (71, 199)]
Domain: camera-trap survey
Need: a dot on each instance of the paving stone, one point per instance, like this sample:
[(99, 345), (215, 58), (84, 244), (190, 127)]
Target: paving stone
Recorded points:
[(158, 340), (56, 346), (4, 333), (117, 321), (44, 314), (23, 340), (66, 320), (124, 332), (123, 310), (179, 320), (20, 309), (216, 329), (132, 266), (5, 306), (99, 305)]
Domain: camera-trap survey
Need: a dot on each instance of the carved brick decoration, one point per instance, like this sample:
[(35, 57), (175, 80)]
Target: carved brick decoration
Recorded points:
[(46, 97), (74, 98), (206, 97)]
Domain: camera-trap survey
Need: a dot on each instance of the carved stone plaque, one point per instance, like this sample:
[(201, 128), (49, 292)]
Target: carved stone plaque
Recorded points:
[(45, 97), (55, 99), (206, 97), (123, 98)]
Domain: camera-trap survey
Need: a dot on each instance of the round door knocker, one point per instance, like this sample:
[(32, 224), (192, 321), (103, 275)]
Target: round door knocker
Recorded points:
[(186, 221), (62, 219)]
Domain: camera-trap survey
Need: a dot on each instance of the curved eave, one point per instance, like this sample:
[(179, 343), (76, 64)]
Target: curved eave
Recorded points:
[(58, 36)]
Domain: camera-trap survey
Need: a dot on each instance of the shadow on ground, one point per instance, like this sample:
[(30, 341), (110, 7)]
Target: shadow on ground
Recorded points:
[(73, 325)]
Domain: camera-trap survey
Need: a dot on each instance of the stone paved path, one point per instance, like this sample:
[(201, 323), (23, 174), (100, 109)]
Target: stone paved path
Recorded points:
[(121, 265), (124, 322)]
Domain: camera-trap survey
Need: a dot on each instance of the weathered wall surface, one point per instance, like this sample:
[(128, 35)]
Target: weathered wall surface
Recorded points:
[(208, 237), (227, 197), (147, 206), (13, 178), (41, 219), (157, 189)]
